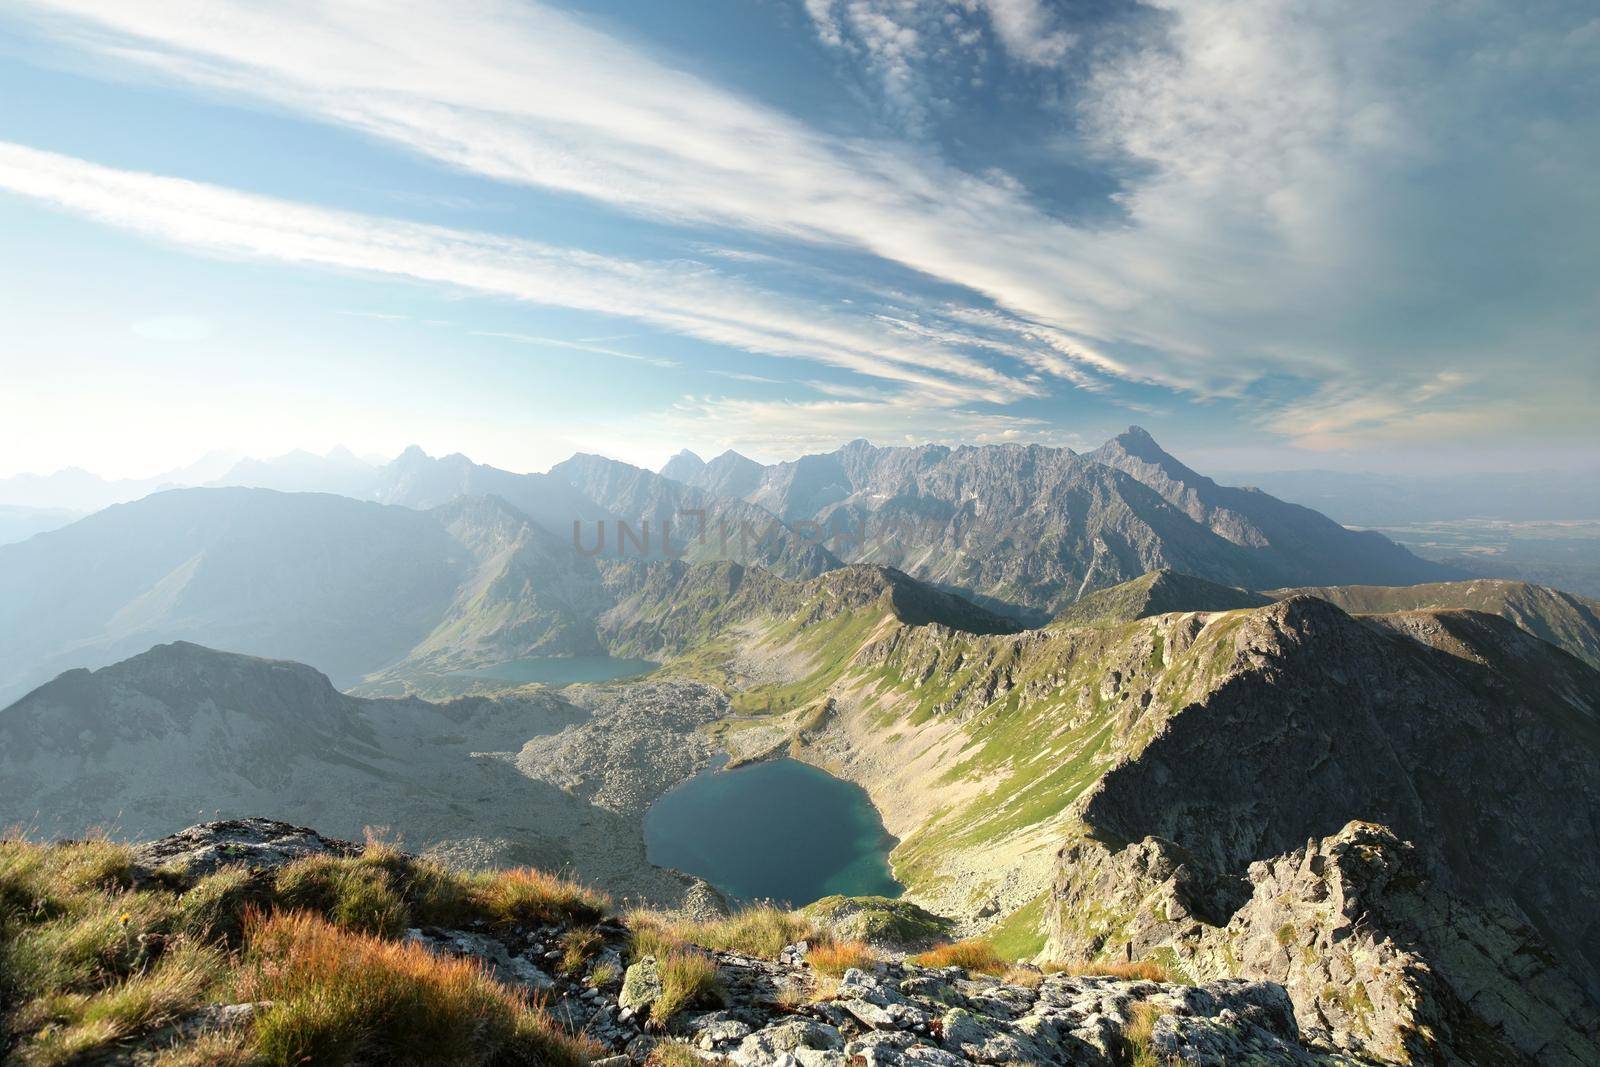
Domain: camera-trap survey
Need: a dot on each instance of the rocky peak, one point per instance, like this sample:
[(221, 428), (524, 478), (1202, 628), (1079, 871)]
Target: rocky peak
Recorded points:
[(683, 467)]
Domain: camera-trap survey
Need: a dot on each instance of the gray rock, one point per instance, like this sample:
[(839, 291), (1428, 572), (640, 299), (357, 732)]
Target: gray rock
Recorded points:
[(809, 1043), (641, 986)]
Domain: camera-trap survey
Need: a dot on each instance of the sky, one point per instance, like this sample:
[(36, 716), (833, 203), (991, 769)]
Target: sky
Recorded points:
[(1277, 233)]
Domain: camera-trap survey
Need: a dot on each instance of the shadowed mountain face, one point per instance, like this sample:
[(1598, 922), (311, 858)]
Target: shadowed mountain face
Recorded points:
[(677, 606), (1565, 620), (142, 747)]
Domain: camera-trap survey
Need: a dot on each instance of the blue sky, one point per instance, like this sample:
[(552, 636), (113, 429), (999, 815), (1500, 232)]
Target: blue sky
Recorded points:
[(1278, 234)]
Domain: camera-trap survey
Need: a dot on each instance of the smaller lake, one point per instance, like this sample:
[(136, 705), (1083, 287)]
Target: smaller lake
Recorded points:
[(560, 670), (780, 830)]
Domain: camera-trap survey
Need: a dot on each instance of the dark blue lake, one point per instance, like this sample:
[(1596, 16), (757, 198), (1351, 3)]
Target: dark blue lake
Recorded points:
[(780, 830), (561, 670)]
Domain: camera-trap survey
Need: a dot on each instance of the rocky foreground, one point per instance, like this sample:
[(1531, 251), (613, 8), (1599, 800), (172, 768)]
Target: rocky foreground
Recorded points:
[(783, 1012)]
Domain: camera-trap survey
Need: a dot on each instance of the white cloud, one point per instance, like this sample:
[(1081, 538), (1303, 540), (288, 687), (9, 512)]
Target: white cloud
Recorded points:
[(679, 296), (1365, 195), (1028, 30)]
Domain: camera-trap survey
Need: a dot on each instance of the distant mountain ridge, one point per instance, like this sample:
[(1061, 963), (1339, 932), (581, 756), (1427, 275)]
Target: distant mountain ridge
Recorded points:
[(1038, 527)]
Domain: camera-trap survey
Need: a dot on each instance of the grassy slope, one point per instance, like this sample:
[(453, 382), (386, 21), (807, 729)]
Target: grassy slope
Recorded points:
[(1039, 722)]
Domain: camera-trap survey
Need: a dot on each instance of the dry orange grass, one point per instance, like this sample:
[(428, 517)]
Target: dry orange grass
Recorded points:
[(339, 996), (833, 958), (977, 956), (1029, 977), (1140, 971)]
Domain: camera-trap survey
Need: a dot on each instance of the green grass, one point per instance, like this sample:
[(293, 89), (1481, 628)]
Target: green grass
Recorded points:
[(89, 960), (343, 997), (1021, 935)]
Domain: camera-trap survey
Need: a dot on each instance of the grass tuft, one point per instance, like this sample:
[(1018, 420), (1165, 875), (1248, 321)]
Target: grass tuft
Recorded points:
[(340, 996), (761, 930), (979, 956), (1136, 1036), (1138, 971), (688, 978), (577, 945), (530, 897), (833, 958)]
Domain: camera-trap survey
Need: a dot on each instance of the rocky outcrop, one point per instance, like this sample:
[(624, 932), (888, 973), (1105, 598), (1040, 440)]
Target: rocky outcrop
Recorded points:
[(781, 1013), (1462, 928)]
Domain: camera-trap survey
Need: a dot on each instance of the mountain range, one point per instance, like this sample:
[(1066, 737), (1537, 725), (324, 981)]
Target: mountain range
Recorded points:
[(1389, 814), (428, 564)]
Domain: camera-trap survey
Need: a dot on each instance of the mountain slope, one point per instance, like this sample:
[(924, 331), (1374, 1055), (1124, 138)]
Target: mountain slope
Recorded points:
[(1157, 593), (679, 606), (527, 594), (350, 587), (140, 747), (417, 480), (696, 525), (1034, 528), (1177, 763), (1021, 525), (1565, 620), (343, 584), (306, 472), (1288, 538)]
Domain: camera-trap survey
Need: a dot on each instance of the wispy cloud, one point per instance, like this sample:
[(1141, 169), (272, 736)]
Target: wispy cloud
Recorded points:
[(1302, 189), (527, 94), (678, 296), (577, 346)]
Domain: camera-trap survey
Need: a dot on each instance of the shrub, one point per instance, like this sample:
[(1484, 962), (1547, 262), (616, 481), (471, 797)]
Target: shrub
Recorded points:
[(833, 958), (340, 996), (977, 956)]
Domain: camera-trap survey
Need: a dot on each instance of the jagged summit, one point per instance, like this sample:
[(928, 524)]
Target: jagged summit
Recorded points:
[(684, 466)]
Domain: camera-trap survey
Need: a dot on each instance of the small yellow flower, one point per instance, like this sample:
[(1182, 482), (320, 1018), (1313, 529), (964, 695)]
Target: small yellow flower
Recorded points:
[(125, 918)]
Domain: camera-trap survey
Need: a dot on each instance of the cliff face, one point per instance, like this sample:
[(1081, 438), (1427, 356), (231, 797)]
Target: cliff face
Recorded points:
[(1179, 765), (1473, 748)]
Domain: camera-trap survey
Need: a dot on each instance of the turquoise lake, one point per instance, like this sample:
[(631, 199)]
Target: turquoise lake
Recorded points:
[(781, 830), (561, 670)]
